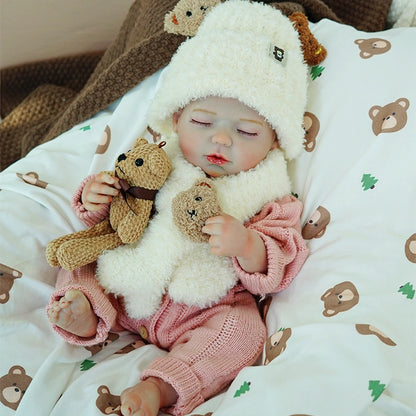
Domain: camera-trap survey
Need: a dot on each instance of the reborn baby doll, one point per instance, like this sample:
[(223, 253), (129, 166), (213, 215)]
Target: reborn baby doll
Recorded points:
[(230, 107)]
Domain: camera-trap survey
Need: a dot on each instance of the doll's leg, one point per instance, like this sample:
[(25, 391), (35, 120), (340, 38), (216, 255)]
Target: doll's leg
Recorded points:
[(79, 310), (206, 358)]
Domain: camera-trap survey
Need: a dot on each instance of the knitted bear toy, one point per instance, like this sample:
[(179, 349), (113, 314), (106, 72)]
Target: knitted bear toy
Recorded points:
[(192, 207), (141, 171), (187, 15), (313, 52)]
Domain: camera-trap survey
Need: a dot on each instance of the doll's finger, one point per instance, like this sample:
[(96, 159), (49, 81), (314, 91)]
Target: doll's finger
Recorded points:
[(106, 178), (216, 219), (98, 198), (115, 182), (93, 207), (212, 229), (102, 189), (215, 242)]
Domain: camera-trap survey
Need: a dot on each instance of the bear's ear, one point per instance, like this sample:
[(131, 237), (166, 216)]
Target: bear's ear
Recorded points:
[(16, 369), (374, 111), (403, 102), (206, 182), (140, 141), (103, 390)]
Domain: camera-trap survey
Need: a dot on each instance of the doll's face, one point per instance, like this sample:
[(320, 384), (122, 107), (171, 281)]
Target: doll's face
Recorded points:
[(223, 136)]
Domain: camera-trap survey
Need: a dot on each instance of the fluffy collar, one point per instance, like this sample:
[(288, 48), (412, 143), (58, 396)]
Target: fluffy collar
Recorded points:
[(165, 261)]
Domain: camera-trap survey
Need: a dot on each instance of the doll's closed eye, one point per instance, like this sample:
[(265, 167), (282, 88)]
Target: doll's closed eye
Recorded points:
[(247, 133), (201, 122)]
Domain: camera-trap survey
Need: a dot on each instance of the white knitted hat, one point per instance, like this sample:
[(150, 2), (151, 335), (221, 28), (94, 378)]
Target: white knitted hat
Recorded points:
[(243, 50)]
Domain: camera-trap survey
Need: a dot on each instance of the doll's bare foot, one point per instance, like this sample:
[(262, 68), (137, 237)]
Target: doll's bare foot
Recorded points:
[(73, 312), (147, 397)]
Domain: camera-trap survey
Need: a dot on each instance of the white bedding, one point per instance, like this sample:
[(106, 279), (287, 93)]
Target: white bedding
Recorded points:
[(327, 359)]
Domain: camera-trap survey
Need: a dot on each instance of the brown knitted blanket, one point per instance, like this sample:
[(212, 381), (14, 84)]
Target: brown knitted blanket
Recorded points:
[(41, 100)]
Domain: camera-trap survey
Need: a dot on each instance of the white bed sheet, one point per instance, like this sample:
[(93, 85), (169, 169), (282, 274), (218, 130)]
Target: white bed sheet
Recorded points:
[(325, 364)]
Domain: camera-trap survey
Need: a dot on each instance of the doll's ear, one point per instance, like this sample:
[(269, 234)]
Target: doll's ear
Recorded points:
[(175, 120)]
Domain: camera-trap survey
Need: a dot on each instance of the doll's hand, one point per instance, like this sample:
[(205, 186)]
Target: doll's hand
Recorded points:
[(99, 191), (229, 237)]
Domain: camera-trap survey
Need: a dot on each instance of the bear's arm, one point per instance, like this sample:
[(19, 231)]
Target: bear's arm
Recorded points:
[(133, 224)]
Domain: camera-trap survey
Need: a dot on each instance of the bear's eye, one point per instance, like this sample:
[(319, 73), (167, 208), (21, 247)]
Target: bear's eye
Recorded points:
[(121, 158), (139, 162), (189, 13), (198, 198)]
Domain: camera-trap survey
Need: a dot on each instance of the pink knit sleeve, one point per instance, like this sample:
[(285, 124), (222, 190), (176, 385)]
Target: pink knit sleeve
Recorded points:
[(87, 217), (278, 224)]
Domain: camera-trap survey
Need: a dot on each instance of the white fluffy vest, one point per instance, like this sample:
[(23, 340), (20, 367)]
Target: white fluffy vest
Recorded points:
[(164, 260)]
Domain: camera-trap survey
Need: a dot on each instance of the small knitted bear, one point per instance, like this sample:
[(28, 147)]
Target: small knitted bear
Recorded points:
[(191, 208), (141, 171), (187, 15), (313, 52)]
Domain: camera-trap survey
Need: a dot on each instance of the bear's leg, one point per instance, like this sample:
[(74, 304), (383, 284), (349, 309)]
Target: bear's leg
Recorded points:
[(52, 247), (76, 253)]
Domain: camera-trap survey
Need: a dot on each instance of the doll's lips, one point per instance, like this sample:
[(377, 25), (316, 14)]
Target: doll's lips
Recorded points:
[(217, 159)]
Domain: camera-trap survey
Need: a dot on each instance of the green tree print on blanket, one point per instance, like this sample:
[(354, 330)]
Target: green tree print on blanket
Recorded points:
[(407, 290), (244, 388), (368, 181), (376, 389)]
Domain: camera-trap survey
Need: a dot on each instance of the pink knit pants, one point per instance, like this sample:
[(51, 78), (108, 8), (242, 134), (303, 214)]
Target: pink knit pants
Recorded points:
[(206, 347)]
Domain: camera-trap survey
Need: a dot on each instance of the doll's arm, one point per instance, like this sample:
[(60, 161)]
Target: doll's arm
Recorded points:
[(278, 225)]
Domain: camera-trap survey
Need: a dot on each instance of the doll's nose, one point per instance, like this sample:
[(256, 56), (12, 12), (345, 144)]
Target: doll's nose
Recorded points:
[(222, 137), (121, 157)]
